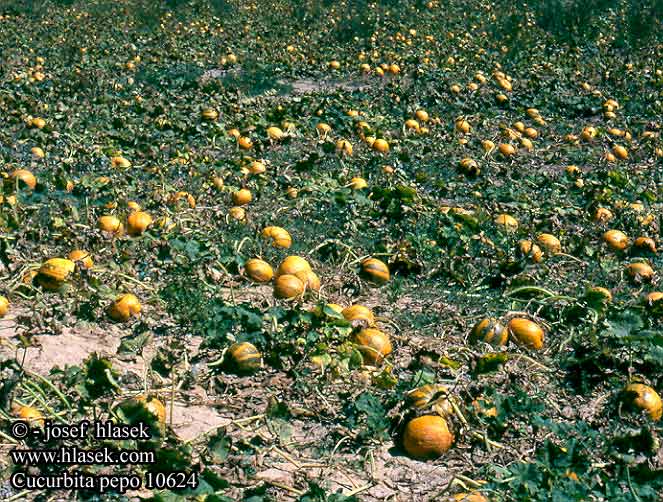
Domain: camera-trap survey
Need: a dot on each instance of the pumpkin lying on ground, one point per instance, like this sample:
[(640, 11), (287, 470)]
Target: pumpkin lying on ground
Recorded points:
[(375, 270), (54, 272), (491, 331), (244, 357), (526, 333), (373, 344), (124, 307), (644, 397), (258, 270), (427, 437)]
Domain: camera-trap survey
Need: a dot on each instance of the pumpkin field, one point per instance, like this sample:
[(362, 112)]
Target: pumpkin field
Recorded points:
[(333, 251)]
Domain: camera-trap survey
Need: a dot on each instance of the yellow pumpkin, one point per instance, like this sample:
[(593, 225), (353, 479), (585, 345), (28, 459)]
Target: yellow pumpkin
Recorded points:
[(110, 224), (616, 239), (427, 437), (275, 133), (373, 344), (462, 125), (244, 357), (431, 394), (29, 414), (242, 197), (550, 243), (647, 399), (528, 249), (257, 167), (507, 221), (375, 270), (82, 258), (154, 406), (137, 222), (506, 149), (258, 270), (645, 243), (359, 313), (25, 177), (526, 333), (124, 307), (4, 306), (288, 286), (209, 114), (602, 214), (620, 152), (291, 265), (237, 213), (358, 183), (380, 145), (343, 145), (54, 272), (422, 115), (120, 162), (244, 143), (280, 236), (640, 271), (470, 166), (491, 331)]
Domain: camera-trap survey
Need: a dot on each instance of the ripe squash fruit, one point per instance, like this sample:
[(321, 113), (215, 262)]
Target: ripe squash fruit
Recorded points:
[(81, 258), (434, 395), (138, 222), (645, 243), (640, 271), (25, 178), (490, 331), (244, 357), (507, 221), (644, 397), (54, 272), (373, 344), (259, 270), (427, 437), (526, 333), (110, 224), (280, 236), (359, 313), (530, 250), (288, 286), (29, 414), (4, 306), (375, 270), (616, 240), (242, 197), (154, 406), (124, 307), (549, 243), (292, 265)]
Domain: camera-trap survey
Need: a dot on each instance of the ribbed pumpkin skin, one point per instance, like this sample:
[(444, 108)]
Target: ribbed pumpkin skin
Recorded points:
[(31, 415), (427, 437), (375, 270), (310, 280), (507, 221), (616, 239), (54, 272), (137, 222), (288, 286), (26, 177), (292, 265), (373, 344), (640, 271), (155, 406), (647, 399), (259, 270), (526, 333), (491, 331), (530, 250), (245, 356), (82, 258), (645, 243), (242, 197), (110, 224), (359, 312), (124, 307), (280, 237), (4, 306), (426, 395)]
